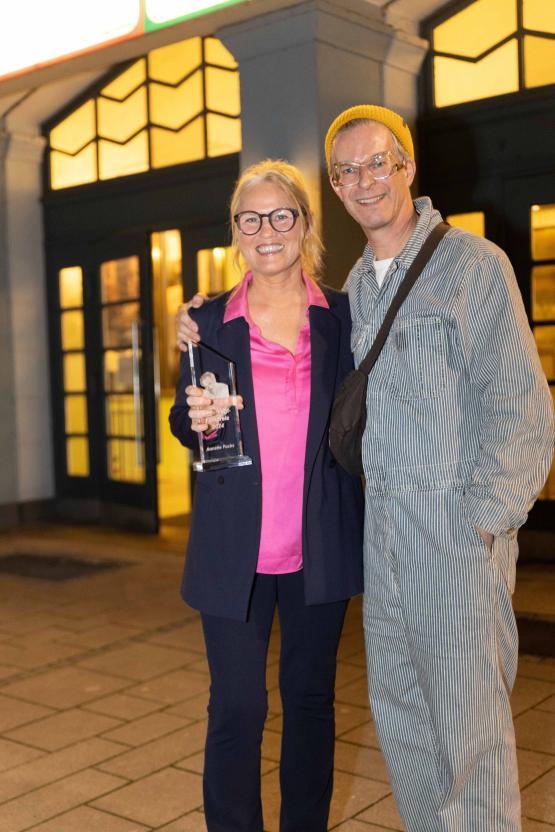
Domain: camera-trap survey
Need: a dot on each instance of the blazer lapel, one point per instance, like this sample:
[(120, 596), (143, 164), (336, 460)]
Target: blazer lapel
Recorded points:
[(234, 343), (324, 353)]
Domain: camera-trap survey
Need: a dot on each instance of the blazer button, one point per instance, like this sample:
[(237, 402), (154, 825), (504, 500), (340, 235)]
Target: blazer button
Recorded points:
[(332, 463), (221, 480)]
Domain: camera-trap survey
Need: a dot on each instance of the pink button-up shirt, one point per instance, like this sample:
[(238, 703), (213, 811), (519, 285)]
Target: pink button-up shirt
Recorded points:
[(281, 381)]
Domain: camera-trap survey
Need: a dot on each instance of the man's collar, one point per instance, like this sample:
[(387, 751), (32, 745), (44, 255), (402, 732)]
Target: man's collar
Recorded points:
[(428, 217)]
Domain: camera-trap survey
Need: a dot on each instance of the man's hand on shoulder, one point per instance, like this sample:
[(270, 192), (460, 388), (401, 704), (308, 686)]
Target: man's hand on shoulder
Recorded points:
[(185, 328)]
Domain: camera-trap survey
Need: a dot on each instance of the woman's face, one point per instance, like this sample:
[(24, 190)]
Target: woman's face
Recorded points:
[(269, 253)]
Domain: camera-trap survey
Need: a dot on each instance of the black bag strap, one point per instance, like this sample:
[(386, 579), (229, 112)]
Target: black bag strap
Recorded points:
[(415, 269)]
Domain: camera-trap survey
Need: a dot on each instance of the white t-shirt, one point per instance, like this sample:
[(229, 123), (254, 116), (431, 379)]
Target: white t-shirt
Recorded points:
[(381, 267)]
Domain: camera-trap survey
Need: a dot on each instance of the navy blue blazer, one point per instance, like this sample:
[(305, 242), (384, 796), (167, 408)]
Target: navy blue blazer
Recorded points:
[(224, 538)]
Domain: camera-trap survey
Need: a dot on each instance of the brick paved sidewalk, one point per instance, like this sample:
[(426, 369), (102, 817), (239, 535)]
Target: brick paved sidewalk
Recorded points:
[(103, 692)]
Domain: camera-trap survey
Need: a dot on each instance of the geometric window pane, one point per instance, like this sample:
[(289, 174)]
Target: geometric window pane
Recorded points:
[(542, 226), (222, 91), (125, 459), (125, 83), (173, 107), (69, 171), (118, 371), (117, 324), (76, 414), (71, 286), (224, 135), (119, 120), (545, 342), (539, 15), (72, 330), (74, 372), (476, 28), (75, 131), (122, 160), (217, 270), (543, 293), (457, 81), (119, 279), (539, 61), (120, 416), (77, 456), (172, 63), (473, 221), (216, 53), (170, 148)]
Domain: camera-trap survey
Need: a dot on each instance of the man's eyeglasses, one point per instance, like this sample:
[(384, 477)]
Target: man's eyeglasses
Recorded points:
[(381, 166), (281, 219)]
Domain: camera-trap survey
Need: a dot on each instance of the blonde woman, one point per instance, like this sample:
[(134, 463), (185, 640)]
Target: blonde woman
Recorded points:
[(284, 533)]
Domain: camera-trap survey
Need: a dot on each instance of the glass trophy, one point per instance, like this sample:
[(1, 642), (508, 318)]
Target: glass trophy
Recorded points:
[(221, 447)]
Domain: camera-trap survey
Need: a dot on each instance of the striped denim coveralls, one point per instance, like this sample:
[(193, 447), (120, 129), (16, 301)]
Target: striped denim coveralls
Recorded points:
[(459, 434)]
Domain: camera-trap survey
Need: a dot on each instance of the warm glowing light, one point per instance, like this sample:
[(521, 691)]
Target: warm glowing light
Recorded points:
[(473, 221), (37, 33)]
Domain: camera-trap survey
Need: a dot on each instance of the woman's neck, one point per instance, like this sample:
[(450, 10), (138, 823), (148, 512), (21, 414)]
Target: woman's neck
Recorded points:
[(278, 291)]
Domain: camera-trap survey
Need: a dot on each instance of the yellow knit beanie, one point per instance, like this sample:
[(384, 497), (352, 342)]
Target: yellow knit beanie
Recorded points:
[(394, 121)]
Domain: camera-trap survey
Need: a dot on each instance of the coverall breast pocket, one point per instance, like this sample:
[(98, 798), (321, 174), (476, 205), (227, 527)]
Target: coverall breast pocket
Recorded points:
[(420, 357)]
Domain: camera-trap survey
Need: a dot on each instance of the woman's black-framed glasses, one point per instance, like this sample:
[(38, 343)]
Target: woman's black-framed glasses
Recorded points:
[(281, 219)]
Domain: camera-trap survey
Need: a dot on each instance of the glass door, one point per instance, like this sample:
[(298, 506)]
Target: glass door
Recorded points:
[(125, 405)]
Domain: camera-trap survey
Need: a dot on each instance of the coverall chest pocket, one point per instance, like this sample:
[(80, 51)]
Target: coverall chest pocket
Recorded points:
[(420, 357)]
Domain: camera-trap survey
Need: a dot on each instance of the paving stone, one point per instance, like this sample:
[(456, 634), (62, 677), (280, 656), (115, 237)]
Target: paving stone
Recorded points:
[(157, 799), (122, 706), (14, 712), (535, 730), (55, 766), (61, 730), (85, 819), (148, 728), (173, 687), (529, 692), (65, 687), (538, 799), (384, 813), (13, 754), (49, 801), (159, 753), (135, 661)]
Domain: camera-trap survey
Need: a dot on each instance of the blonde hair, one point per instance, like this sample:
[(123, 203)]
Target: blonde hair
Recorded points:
[(289, 179)]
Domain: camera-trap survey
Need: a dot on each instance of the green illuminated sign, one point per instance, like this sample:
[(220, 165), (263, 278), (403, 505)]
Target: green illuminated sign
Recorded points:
[(162, 13)]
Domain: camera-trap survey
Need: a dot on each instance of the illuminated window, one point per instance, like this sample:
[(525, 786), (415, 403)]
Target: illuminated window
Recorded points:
[(493, 47), (72, 335), (122, 363), (473, 221), (217, 270), (542, 250), (178, 105)]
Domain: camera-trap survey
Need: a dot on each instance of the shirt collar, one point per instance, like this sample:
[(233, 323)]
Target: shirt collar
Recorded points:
[(237, 306), (428, 218)]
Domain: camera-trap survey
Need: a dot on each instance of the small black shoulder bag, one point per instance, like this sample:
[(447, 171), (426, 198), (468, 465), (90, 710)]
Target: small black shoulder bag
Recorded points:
[(348, 414)]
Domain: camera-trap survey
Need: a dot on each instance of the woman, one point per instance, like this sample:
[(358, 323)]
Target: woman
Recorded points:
[(284, 532)]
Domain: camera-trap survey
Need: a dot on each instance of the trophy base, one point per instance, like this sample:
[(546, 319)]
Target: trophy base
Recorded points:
[(216, 464)]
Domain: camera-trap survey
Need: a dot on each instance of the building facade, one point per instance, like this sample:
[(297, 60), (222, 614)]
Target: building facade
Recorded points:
[(116, 166)]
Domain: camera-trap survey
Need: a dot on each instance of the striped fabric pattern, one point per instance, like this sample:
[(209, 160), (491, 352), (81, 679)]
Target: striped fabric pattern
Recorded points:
[(459, 435)]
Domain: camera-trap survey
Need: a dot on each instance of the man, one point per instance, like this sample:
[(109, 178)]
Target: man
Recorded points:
[(457, 445)]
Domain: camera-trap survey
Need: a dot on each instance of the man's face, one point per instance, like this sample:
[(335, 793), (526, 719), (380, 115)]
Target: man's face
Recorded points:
[(375, 204)]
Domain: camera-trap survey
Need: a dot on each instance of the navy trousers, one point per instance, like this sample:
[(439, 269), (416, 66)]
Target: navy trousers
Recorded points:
[(238, 706)]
